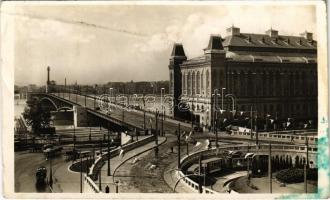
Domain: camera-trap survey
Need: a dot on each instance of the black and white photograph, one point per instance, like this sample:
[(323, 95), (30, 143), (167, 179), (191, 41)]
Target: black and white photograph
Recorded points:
[(162, 98)]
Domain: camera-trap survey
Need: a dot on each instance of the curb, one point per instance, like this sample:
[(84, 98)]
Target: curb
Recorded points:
[(114, 172)]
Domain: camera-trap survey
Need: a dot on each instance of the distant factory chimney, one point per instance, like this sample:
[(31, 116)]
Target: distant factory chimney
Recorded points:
[(48, 80), (48, 71)]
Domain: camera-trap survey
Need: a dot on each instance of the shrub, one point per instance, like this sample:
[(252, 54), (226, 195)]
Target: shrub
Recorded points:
[(294, 175)]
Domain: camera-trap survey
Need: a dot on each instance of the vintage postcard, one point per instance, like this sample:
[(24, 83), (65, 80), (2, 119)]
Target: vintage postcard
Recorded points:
[(164, 100)]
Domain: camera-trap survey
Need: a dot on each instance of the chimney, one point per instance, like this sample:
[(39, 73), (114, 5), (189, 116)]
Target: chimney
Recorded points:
[(233, 31), (307, 35), (272, 33), (48, 71)]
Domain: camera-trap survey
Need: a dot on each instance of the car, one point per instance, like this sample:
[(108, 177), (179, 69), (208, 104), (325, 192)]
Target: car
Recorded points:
[(41, 174)]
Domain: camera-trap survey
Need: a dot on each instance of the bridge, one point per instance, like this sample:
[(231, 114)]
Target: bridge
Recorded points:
[(86, 112)]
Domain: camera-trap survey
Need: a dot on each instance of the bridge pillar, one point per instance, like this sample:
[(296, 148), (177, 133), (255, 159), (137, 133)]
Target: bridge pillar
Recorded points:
[(79, 116)]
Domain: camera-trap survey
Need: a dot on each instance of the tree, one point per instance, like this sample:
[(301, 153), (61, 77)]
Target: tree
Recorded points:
[(36, 116)]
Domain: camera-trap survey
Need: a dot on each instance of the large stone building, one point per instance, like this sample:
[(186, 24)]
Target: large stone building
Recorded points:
[(274, 74)]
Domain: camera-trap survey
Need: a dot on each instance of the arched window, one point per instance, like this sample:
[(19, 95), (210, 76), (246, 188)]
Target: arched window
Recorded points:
[(193, 83), (184, 82), (171, 83), (207, 81), (202, 83), (189, 83), (198, 83)]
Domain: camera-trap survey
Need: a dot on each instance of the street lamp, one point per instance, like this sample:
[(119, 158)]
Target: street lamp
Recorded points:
[(162, 91), (109, 172), (156, 134), (233, 102), (179, 147), (50, 169), (215, 118), (222, 89)]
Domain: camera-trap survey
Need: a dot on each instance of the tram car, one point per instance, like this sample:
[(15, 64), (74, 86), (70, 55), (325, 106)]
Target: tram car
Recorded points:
[(236, 160), (259, 164), (213, 165), (41, 175), (209, 166)]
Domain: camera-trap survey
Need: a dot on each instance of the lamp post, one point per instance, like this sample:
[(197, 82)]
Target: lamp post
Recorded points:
[(215, 117), (156, 134), (81, 183), (306, 164), (74, 138), (179, 147), (109, 172), (50, 170), (76, 90), (69, 92), (144, 113), (162, 91), (270, 168), (222, 89), (111, 96)]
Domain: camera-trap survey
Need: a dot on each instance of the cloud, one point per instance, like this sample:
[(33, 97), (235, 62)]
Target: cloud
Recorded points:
[(76, 50), (195, 31)]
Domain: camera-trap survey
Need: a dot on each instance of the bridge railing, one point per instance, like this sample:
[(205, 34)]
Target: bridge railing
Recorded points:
[(95, 168), (278, 136), (262, 148)]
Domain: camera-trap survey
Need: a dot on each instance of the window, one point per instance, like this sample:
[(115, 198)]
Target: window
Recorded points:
[(198, 83), (189, 83), (202, 83), (208, 81), (193, 83), (184, 82)]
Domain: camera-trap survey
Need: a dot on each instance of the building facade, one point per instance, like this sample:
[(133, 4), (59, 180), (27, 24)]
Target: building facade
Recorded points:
[(269, 75)]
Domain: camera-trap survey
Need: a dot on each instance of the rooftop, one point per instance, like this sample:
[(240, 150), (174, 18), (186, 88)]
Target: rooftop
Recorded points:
[(268, 47)]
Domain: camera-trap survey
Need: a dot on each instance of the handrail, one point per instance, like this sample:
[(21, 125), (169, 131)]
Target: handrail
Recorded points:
[(263, 148)]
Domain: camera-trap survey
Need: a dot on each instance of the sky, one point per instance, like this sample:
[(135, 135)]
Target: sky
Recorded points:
[(95, 44)]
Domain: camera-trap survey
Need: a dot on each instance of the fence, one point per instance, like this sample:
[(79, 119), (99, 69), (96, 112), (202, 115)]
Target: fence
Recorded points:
[(283, 136), (263, 148)]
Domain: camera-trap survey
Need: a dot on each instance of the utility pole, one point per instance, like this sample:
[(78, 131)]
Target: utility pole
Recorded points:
[(200, 175), (76, 90), (305, 165), (256, 127), (162, 115), (94, 99), (270, 168), (81, 173), (74, 138), (251, 117), (144, 113), (100, 147), (100, 181), (156, 135), (109, 172), (179, 148), (50, 171)]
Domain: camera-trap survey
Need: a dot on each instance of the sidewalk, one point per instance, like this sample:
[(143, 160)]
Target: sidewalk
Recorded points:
[(171, 177), (122, 174), (219, 185)]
